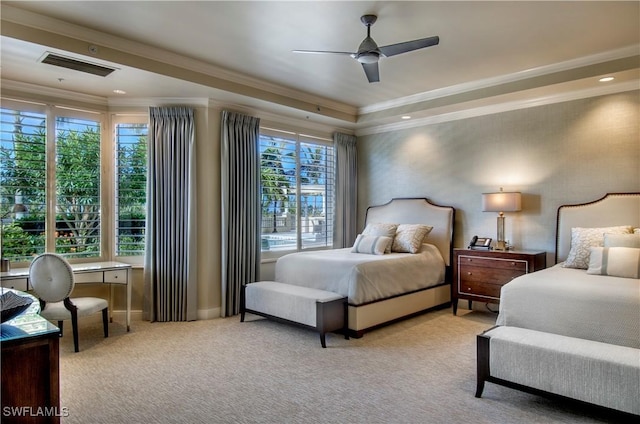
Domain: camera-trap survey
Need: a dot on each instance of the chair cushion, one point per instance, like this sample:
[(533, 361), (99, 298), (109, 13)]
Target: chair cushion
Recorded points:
[(56, 311)]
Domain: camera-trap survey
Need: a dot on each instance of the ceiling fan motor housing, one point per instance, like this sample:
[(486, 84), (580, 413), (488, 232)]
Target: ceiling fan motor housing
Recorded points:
[(368, 20), (368, 51)]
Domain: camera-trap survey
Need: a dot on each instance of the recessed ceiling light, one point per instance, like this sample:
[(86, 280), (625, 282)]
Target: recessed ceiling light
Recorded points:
[(606, 79), (119, 91), (406, 117)]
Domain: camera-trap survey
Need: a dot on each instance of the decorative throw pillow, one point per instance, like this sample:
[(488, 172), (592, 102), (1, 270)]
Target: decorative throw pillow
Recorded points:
[(583, 239), (373, 245), (615, 261), (409, 237), (636, 231), (381, 229), (622, 240)]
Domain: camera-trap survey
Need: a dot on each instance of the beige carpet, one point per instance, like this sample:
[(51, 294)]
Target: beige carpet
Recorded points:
[(420, 370)]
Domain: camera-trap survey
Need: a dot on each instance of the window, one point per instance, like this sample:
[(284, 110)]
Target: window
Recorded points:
[(66, 188), (22, 183), (77, 187), (131, 181), (297, 179), (72, 187)]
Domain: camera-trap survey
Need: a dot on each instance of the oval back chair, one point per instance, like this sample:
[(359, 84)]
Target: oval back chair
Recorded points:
[(52, 280)]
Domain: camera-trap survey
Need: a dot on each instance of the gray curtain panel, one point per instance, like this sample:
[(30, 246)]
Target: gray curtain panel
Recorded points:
[(345, 219), (240, 207), (170, 283)]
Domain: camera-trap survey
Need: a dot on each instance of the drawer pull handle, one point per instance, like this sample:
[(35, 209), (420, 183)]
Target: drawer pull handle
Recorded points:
[(513, 263), (469, 273)]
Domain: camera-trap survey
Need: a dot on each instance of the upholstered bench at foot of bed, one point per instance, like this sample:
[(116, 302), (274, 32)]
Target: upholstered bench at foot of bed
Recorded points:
[(320, 310), (597, 373)]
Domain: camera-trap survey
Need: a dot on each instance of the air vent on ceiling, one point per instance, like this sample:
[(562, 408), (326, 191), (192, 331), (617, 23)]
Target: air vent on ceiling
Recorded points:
[(77, 65)]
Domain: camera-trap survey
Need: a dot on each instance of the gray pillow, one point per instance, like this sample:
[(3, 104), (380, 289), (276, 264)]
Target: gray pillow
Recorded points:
[(381, 229), (615, 261), (373, 245), (622, 240)]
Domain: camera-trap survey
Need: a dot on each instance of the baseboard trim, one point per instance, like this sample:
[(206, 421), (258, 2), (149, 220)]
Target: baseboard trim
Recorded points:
[(137, 314), (122, 314), (209, 313)]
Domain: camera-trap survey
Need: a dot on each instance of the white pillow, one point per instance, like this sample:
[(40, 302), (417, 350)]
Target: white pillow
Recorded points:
[(373, 245), (615, 261), (622, 240), (381, 229), (409, 237), (583, 239)]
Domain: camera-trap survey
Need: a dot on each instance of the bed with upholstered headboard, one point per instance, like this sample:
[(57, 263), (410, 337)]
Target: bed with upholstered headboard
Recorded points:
[(398, 266), (574, 329), (614, 209)]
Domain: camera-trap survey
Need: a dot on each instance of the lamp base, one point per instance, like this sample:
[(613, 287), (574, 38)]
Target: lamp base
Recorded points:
[(500, 242)]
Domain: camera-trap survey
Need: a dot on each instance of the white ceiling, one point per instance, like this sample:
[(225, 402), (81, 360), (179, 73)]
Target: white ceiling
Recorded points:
[(504, 51)]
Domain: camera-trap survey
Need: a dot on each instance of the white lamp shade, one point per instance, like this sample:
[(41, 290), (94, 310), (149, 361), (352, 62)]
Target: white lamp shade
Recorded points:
[(501, 202)]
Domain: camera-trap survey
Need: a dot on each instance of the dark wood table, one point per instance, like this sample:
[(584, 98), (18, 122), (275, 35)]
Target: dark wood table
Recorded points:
[(30, 368)]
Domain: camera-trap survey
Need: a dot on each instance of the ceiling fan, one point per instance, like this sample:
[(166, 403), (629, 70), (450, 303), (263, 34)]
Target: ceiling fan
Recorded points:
[(369, 53)]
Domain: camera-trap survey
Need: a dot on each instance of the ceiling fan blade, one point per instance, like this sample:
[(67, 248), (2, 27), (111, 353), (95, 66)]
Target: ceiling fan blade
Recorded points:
[(371, 70), (324, 52), (407, 46)]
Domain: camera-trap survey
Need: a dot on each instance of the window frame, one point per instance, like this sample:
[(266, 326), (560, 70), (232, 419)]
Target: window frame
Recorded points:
[(51, 193), (122, 118), (300, 137), (108, 173), (36, 108)]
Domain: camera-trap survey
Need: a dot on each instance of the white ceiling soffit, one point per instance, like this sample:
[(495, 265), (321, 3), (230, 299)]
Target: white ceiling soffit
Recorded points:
[(491, 80)]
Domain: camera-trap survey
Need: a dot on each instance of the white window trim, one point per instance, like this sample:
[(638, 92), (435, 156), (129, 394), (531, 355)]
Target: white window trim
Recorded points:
[(304, 135), (120, 118), (108, 174)]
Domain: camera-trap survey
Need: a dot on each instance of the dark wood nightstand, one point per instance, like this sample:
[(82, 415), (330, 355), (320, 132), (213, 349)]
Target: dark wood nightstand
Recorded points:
[(480, 274)]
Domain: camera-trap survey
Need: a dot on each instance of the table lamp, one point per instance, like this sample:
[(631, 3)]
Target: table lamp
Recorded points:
[(501, 202)]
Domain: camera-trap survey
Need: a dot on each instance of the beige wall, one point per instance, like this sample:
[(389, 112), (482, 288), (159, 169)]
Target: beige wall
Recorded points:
[(556, 154), (209, 216)]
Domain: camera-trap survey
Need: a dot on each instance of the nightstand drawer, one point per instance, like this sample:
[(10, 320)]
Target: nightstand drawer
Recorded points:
[(493, 263), (479, 288), (488, 275)]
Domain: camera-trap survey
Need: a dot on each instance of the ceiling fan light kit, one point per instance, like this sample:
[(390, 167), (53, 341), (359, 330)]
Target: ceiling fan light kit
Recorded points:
[(369, 53)]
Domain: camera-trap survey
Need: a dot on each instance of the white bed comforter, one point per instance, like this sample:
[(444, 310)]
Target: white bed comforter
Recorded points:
[(572, 303), (363, 278)]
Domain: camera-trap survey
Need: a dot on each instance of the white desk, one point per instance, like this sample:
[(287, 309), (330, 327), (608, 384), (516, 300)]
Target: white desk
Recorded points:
[(112, 273)]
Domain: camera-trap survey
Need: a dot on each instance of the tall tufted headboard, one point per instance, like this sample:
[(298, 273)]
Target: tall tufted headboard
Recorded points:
[(611, 210), (419, 211)]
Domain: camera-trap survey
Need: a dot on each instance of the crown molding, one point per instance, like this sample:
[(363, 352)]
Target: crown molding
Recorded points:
[(611, 55), (21, 91), (146, 102), (277, 119), (219, 77), (16, 22), (500, 107), (42, 92)]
